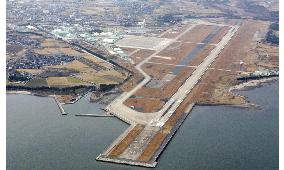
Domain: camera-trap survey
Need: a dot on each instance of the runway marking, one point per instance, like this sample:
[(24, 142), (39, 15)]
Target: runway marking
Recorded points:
[(133, 52), (190, 42)]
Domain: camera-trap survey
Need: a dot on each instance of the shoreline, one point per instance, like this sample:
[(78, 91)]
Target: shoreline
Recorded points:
[(234, 89), (247, 85), (247, 105), (252, 84), (18, 92), (239, 87)]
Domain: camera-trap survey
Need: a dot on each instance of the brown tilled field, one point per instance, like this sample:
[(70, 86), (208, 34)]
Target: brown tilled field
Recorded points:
[(31, 71), (76, 65), (51, 43), (58, 82), (197, 34), (96, 60)]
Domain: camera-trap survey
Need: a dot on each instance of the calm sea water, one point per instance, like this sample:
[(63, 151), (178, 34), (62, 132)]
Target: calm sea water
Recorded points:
[(212, 137)]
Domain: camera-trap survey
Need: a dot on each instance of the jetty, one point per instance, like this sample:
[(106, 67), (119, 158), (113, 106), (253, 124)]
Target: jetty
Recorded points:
[(94, 115), (60, 106)]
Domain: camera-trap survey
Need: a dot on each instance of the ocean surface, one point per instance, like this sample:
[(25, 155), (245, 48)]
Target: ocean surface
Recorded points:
[(211, 138)]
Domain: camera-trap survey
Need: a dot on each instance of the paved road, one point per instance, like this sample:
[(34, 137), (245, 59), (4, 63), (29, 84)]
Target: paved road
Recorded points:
[(158, 118)]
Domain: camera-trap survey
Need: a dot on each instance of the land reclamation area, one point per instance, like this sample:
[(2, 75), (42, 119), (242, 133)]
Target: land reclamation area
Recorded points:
[(161, 72)]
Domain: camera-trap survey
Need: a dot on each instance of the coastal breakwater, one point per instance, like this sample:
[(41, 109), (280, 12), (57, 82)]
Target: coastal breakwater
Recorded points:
[(60, 106), (94, 115), (46, 88)]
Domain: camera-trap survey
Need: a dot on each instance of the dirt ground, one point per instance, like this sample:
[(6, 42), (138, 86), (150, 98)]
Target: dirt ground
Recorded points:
[(53, 43), (174, 32), (213, 88), (221, 33), (58, 81), (118, 149), (128, 50), (157, 71), (145, 104), (176, 51), (153, 146), (134, 79), (76, 65), (267, 55), (140, 55), (197, 34), (201, 55), (31, 71), (65, 98), (146, 94)]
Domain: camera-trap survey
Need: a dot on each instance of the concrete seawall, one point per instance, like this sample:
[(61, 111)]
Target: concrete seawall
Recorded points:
[(94, 115), (172, 133), (59, 106), (153, 161)]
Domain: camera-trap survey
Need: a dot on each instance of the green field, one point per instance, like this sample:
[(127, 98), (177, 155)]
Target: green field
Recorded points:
[(74, 80), (37, 83)]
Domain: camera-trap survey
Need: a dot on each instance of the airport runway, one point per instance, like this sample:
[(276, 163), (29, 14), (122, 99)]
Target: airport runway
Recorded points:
[(158, 118)]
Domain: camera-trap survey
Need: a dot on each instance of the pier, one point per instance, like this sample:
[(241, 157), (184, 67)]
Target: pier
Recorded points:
[(94, 115), (60, 106)]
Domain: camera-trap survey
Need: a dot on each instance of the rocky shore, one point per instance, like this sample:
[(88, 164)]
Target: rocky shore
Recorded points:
[(252, 84)]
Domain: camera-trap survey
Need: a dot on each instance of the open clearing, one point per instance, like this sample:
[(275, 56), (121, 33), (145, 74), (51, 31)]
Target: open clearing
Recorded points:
[(150, 43), (197, 34)]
